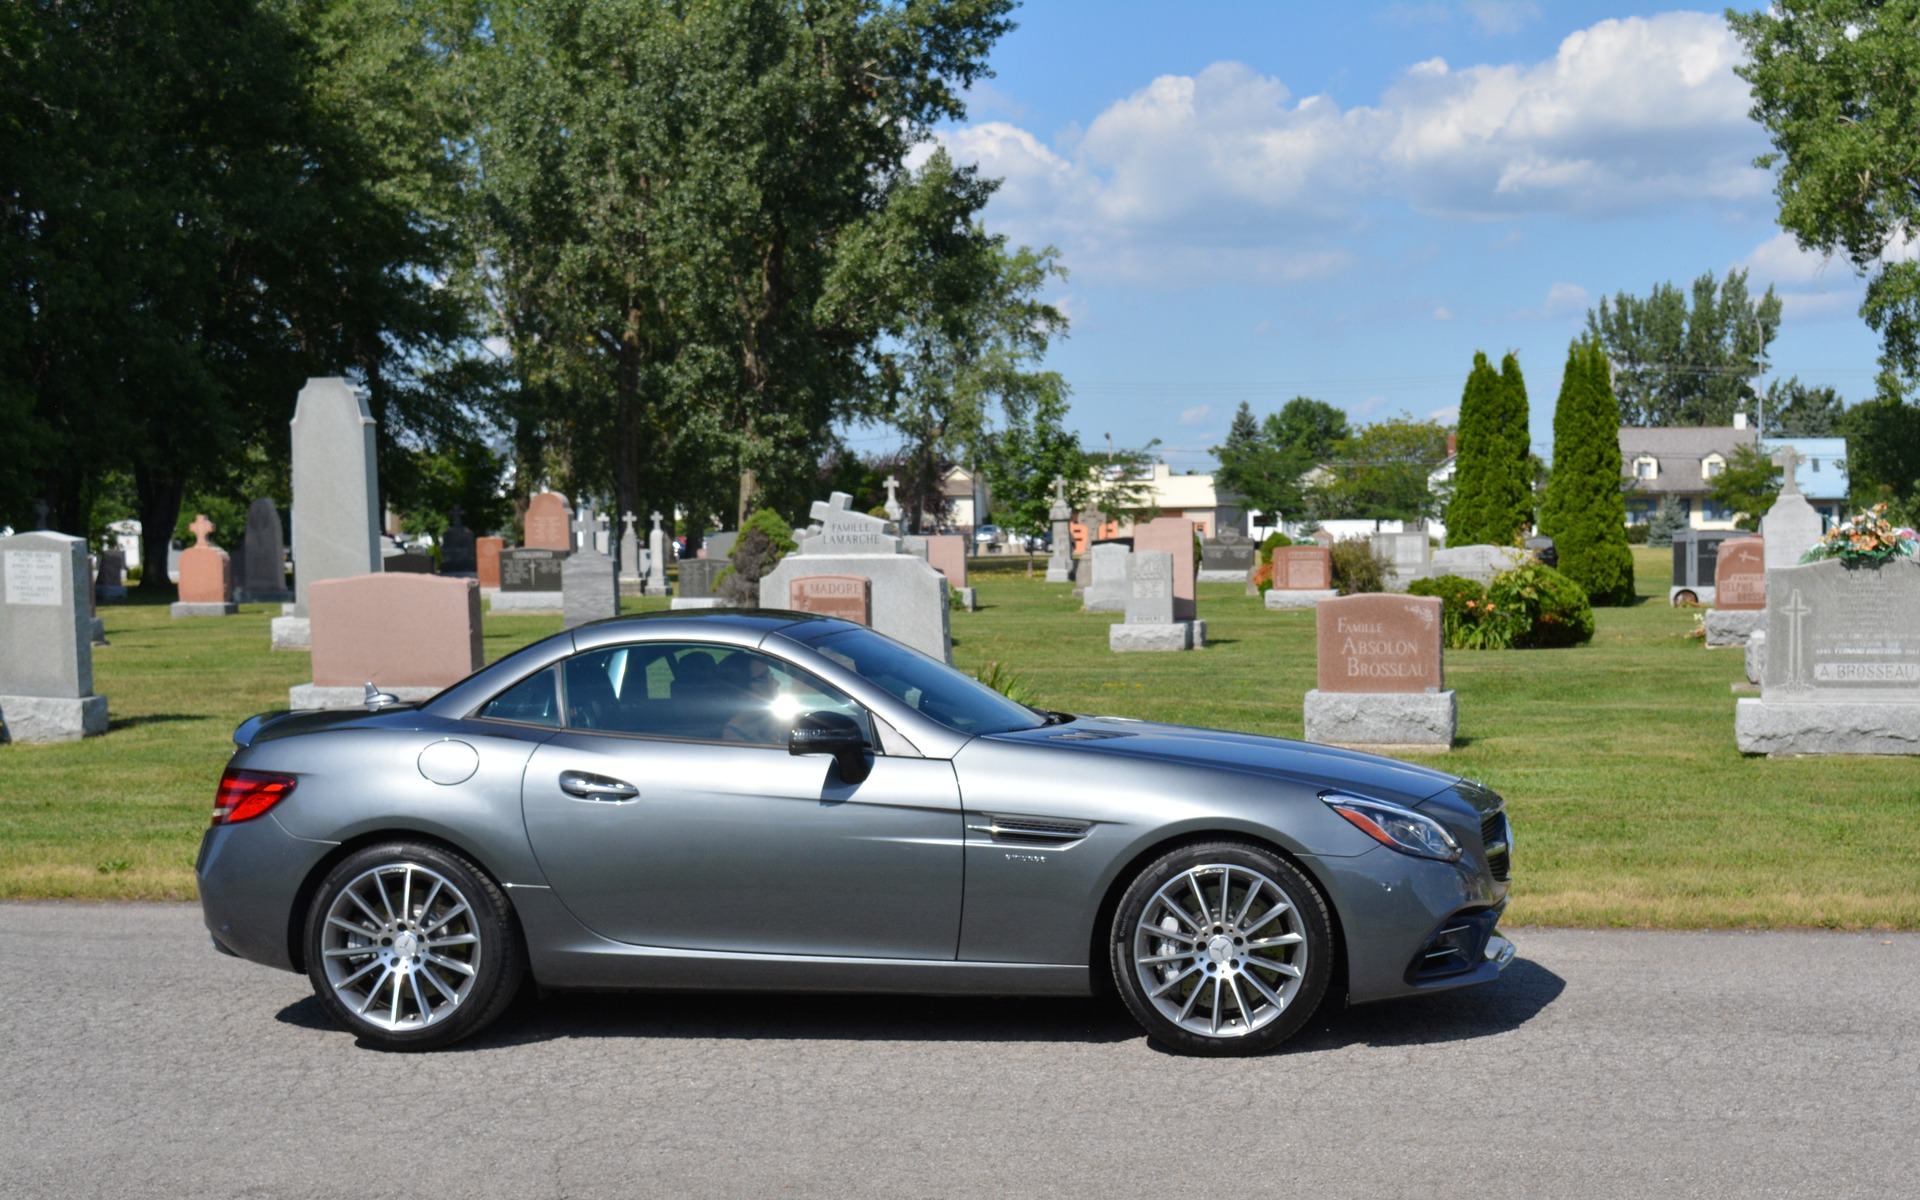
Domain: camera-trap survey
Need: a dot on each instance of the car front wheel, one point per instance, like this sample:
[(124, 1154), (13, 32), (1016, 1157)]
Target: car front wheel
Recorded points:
[(1222, 948), (411, 946)]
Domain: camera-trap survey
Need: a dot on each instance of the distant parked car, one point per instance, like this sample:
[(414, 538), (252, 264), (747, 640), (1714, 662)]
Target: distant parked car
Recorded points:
[(983, 534), (788, 802)]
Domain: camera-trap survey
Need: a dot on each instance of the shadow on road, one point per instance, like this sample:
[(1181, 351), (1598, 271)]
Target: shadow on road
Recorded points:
[(1523, 991)]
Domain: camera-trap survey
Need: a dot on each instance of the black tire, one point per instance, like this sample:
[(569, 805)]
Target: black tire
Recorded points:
[(466, 946), (1208, 959)]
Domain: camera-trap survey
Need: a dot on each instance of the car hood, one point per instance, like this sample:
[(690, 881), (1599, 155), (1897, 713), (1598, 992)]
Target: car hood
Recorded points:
[(1304, 762)]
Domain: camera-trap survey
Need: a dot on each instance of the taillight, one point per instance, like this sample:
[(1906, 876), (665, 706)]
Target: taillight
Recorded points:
[(244, 795)]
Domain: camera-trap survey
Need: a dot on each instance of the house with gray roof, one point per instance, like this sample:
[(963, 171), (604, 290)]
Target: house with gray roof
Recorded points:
[(1658, 462)]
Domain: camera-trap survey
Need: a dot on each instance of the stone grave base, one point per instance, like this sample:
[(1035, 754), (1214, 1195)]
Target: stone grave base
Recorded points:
[(1059, 574), (629, 586), (488, 593), (680, 602), (969, 599), (1298, 597), (1220, 577), (1382, 721), (540, 602), (1783, 728), (1732, 627), (665, 589), (1174, 635), (292, 633), (312, 695), (1103, 603), (205, 610), (248, 596), (109, 591), (1756, 655), (50, 719)]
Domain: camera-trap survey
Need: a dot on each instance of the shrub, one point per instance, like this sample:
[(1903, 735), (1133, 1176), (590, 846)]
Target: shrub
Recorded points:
[(1462, 601), (1547, 608), (1272, 542), (764, 540), (1667, 521), (1357, 568), (1263, 577), (1637, 535)]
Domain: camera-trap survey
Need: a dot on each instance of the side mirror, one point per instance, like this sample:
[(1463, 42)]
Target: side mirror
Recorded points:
[(832, 733)]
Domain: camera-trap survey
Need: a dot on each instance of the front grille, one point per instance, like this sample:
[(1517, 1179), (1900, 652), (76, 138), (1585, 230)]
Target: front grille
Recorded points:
[(1497, 839)]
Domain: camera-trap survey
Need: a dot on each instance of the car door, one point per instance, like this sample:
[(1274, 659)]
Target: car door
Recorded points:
[(668, 812)]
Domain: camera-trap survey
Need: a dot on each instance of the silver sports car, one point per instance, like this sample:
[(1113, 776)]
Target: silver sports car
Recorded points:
[(786, 802)]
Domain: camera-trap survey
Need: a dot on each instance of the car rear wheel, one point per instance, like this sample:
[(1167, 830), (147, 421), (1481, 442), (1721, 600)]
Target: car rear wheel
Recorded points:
[(1223, 948), (411, 946)]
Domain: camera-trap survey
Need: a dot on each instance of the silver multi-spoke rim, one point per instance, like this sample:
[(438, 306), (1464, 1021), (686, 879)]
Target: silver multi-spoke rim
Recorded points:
[(401, 946), (1220, 950)]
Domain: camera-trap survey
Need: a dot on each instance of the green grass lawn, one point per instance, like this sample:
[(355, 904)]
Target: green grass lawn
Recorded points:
[(1631, 805)]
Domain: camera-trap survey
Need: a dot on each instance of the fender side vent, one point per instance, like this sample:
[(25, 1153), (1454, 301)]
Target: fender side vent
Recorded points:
[(1030, 829)]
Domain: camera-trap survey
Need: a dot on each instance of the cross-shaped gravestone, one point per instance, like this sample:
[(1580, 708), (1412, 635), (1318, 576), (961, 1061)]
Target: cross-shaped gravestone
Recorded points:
[(656, 519), (453, 521), (1059, 489), (584, 526), (893, 500), (629, 518), (201, 527), (1789, 461), (822, 509)]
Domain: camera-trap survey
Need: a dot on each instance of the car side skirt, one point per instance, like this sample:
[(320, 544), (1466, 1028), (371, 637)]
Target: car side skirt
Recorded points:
[(566, 955)]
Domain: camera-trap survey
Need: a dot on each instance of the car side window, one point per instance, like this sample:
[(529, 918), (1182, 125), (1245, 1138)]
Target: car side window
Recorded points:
[(532, 701), (696, 692)]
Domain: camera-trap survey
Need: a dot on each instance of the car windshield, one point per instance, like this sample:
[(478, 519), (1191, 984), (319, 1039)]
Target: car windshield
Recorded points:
[(958, 701)]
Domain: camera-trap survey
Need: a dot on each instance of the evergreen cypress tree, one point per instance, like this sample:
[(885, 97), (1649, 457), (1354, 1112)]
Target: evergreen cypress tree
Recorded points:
[(1585, 512), (1478, 477), (1515, 502)]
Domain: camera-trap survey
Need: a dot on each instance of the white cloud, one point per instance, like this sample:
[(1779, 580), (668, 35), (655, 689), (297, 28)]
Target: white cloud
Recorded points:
[(1443, 313), (1563, 300), (1226, 174), (1445, 416), (1501, 16), (1195, 415), (1810, 284)]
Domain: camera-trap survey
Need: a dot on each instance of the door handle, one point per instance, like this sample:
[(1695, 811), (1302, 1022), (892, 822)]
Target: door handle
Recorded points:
[(596, 787)]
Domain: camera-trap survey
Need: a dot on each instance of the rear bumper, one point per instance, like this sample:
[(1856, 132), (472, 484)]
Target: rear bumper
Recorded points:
[(250, 876)]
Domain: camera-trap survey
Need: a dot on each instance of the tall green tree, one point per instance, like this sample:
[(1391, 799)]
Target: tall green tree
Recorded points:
[(1492, 500), (1795, 409), (1585, 511), (1310, 428), (1686, 358), (1883, 455), (1748, 485), (1380, 472), (1262, 470), (1837, 85)]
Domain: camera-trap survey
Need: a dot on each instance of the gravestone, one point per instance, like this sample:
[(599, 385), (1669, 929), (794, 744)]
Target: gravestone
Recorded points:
[(1695, 551), (409, 635), (486, 558), (547, 522), (1302, 577), (697, 579), (633, 567), (206, 576), (1060, 560), (1149, 623), (1841, 670), (110, 583), (336, 506), (407, 562), (1172, 535), (657, 584), (908, 598), (849, 597), (947, 554), (589, 579), (1479, 563), (530, 581), (46, 644), (263, 556), (720, 545), (1381, 682), (1106, 568), (1792, 526), (1409, 556), (1228, 558), (1543, 550), (1739, 593), (459, 550)]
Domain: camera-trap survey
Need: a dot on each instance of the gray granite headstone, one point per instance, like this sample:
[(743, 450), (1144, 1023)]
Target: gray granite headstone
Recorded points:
[(720, 545), (1478, 563), (263, 556), (336, 486), (530, 581), (657, 559), (1107, 577), (1696, 555), (633, 568), (697, 576), (909, 597), (590, 590), (46, 641), (1227, 558), (1791, 526), (1408, 554), (1842, 664), (110, 582), (1060, 561), (1149, 623)]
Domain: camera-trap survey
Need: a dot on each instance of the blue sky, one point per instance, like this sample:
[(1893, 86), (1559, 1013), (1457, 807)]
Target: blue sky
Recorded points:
[(1258, 200)]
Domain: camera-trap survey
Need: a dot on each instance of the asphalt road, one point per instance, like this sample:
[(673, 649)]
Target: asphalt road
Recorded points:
[(137, 1062)]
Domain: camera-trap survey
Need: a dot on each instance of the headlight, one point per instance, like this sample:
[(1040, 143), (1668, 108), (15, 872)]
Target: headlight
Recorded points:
[(1395, 825)]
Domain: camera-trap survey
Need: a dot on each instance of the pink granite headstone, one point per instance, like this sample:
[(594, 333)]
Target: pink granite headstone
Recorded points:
[(1379, 642), (206, 572), (395, 630), (549, 522), (947, 554), (1302, 568), (1173, 535), (849, 597), (486, 552), (1740, 575)]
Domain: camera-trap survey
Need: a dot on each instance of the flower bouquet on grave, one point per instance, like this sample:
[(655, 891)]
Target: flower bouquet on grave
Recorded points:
[(1865, 537)]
